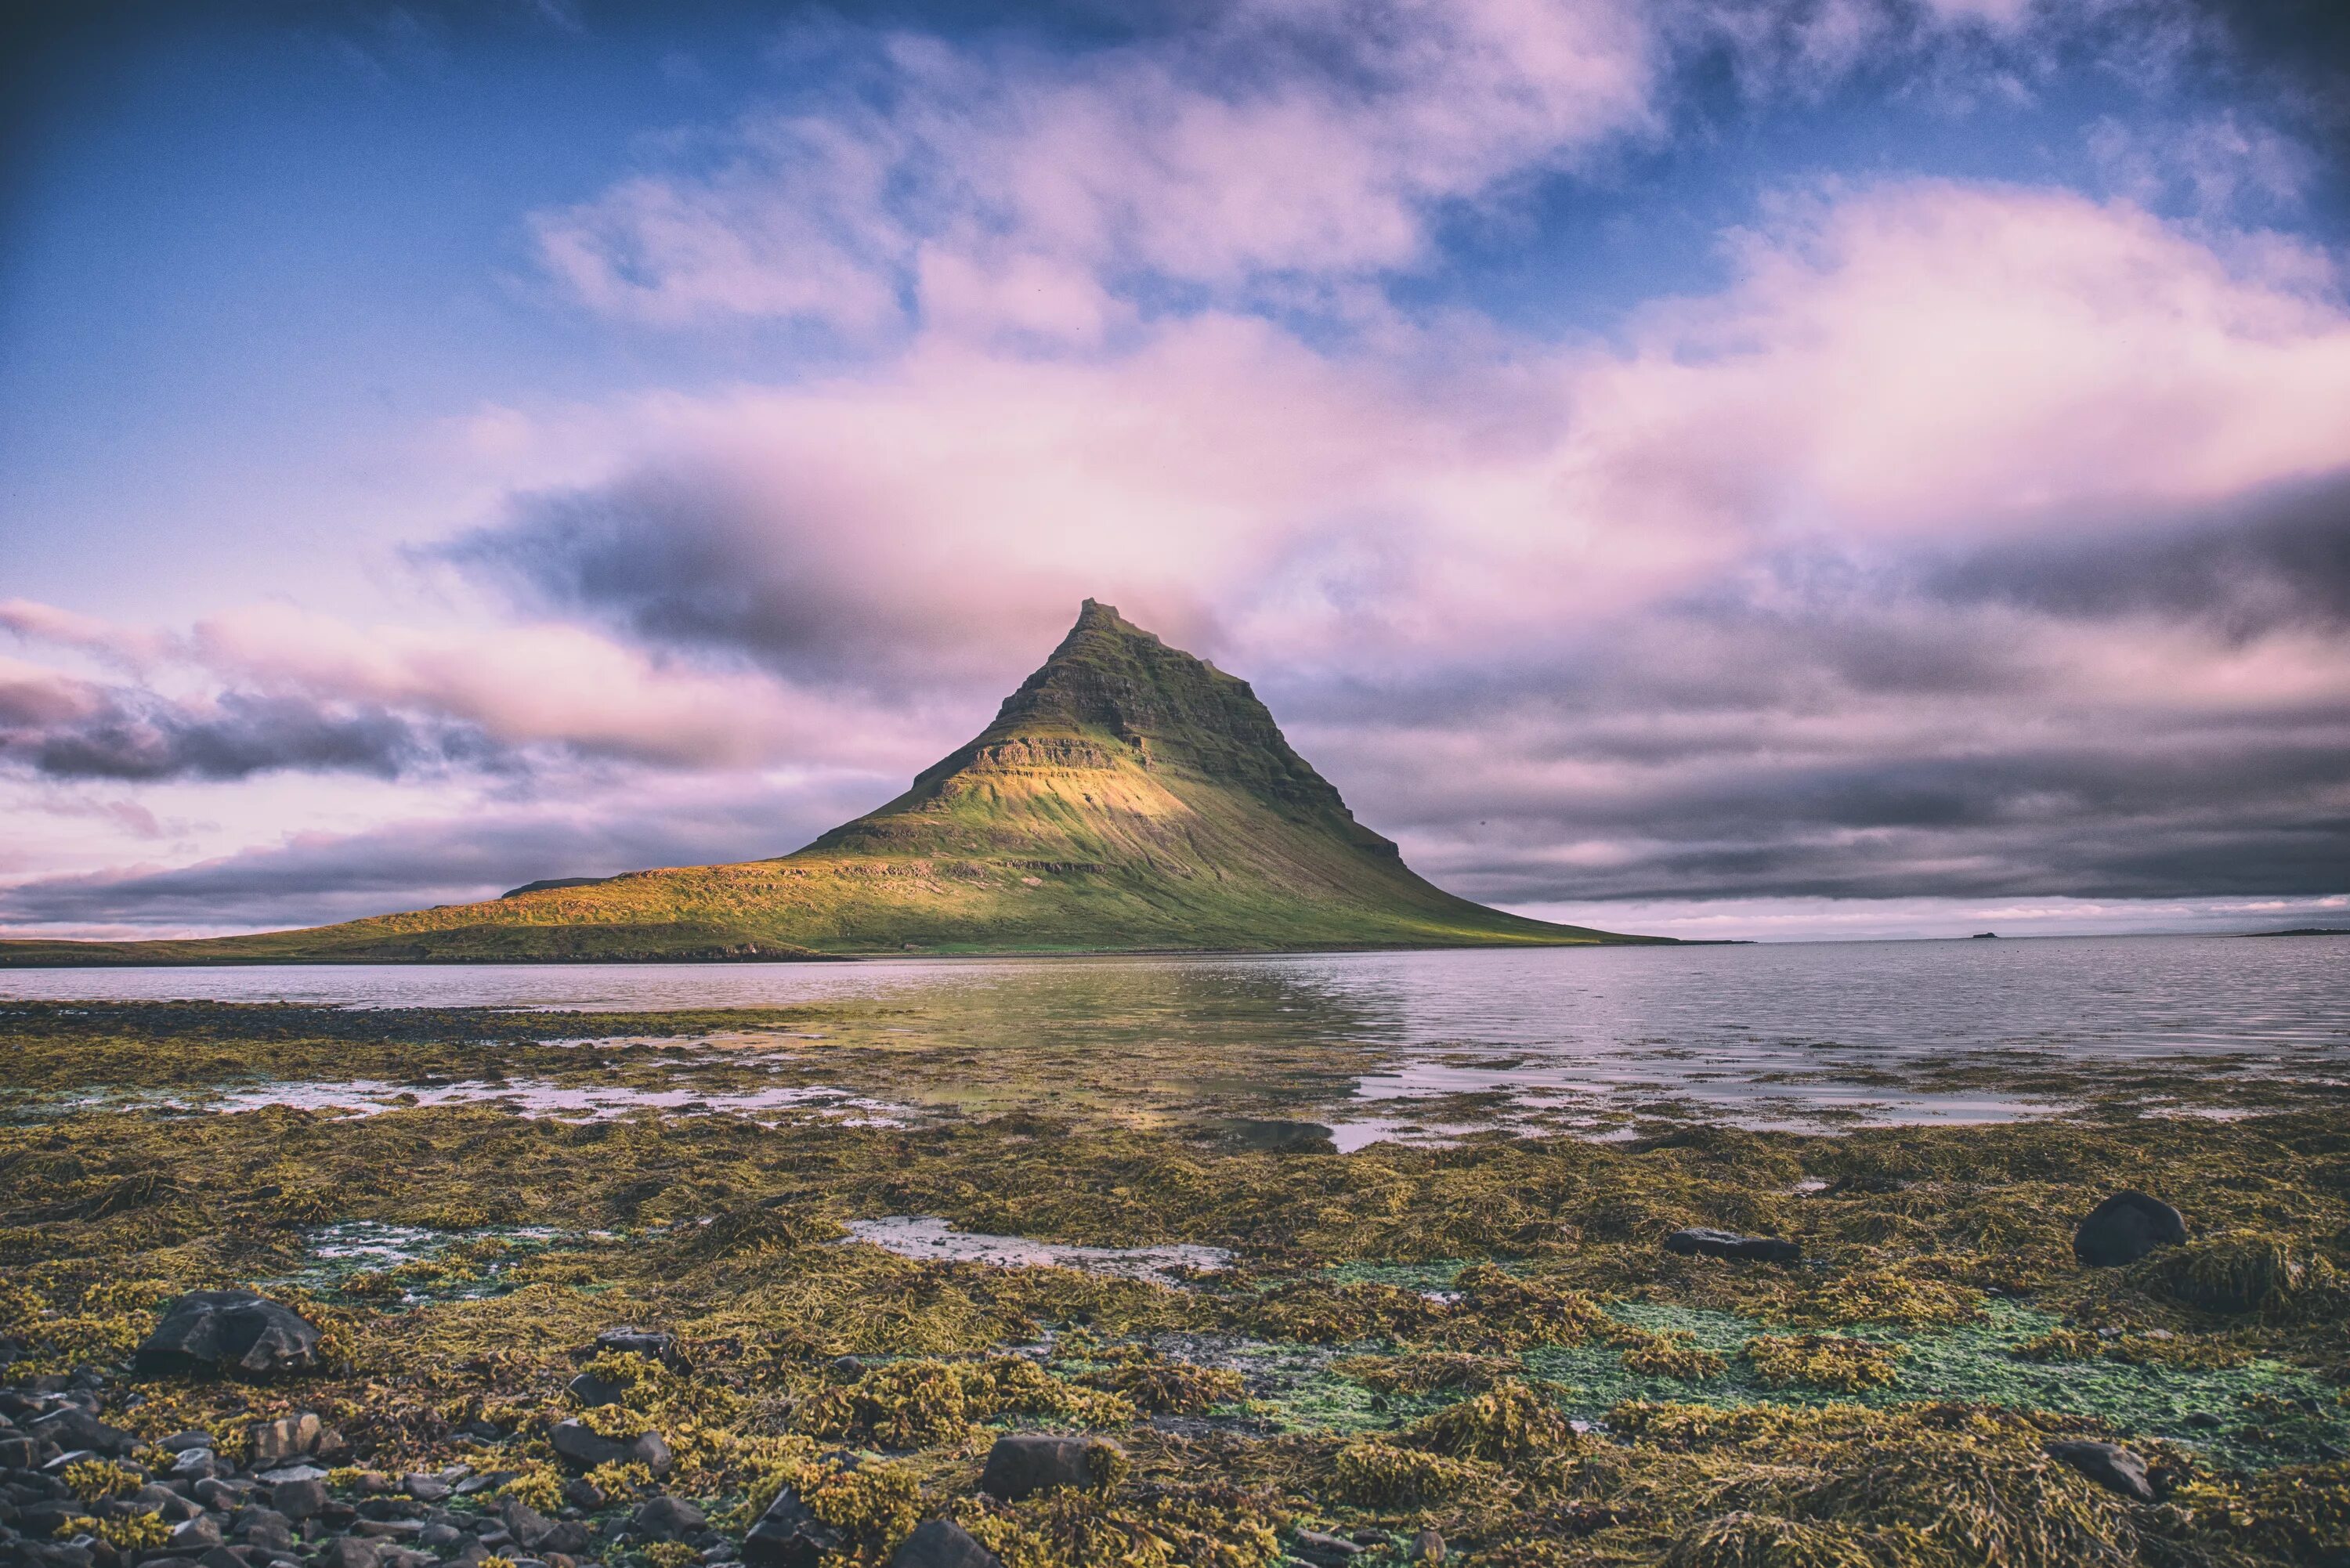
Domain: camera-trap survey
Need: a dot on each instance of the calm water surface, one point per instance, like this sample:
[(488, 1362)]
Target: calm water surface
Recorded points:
[(1796, 1034)]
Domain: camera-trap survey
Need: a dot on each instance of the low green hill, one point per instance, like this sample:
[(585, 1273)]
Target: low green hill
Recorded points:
[(1128, 797)]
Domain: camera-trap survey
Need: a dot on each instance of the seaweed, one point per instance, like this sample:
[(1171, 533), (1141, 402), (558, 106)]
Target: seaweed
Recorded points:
[(1487, 1340)]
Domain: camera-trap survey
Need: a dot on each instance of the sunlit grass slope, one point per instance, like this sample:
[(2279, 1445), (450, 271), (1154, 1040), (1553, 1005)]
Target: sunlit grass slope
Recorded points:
[(1129, 796)]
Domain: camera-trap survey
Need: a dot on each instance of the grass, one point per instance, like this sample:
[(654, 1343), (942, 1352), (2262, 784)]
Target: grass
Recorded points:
[(1128, 797)]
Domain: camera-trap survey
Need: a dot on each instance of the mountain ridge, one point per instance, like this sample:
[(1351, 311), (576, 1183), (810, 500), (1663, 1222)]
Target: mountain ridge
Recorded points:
[(1127, 797)]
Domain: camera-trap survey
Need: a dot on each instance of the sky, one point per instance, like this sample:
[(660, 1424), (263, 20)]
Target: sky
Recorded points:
[(1776, 469)]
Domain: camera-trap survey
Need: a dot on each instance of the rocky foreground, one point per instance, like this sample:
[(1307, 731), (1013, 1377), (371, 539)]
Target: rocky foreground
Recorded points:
[(274, 1337)]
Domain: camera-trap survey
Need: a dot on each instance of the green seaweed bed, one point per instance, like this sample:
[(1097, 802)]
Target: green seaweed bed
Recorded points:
[(1485, 1340)]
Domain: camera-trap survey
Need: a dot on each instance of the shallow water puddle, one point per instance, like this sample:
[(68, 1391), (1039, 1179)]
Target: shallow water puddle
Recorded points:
[(373, 1096), (413, 1262), (931, 1239)]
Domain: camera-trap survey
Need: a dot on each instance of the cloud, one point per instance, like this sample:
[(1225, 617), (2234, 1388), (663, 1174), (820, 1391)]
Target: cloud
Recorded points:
[(1267, 138), (280, 688), (1921, 365), (62, 727), (315, 877), (239, 736)]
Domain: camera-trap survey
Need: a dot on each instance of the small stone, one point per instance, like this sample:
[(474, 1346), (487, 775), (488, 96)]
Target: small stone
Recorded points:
[(526, 1523), (290, 1436), (389, 1529), (2109, 1465), (584, 1494), (424, 1488), (1026, 1463), (1322, 1551), (391, 1507), (651, 1344), (222, 1557), (577, 1444), (591, 1390), (1699, 1240), (293, 1472), (943, 1543), (2125, 1227), (1426, 1547), (349, 1552), (195, 1465), (229, 1331), (788, 1535), (181, 1442), (666, 1518), (195, 1535), (269, 1538), (173, 1506), (440, 1537), (223, 1494), (72, 1426), (539, 1533), (303, 1499)]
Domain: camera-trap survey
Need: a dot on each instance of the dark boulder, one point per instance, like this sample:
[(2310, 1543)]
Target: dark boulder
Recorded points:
[(651, 1344), (156, 1498), (1026, 1463), (1699, 1241), (1259, 1135), (788, 1535), (304, 1499), (582, 1449), (191, 1536), (943, 1543), (2109, 1465), (591, 1390), (348, 1552), (2125, 1227), (666, 1518), (287, 1438), (229, 1331), (70, 1426), (539, 1533)]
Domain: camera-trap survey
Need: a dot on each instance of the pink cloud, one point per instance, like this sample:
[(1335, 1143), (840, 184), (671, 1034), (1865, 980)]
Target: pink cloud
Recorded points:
[(1927, 361), (1272, 138), (1943, 357)]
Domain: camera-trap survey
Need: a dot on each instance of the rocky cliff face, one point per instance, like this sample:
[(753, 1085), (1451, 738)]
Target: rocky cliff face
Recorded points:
[(1113, 697)]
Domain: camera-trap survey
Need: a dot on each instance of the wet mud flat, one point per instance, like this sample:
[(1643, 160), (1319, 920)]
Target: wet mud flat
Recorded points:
[(838, 1306)]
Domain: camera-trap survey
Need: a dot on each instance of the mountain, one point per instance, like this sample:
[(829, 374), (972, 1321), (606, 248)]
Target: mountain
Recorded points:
[(1128, 797)]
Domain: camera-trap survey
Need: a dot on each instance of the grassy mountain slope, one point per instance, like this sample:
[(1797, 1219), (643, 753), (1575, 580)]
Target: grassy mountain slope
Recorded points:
[(1129, 796)]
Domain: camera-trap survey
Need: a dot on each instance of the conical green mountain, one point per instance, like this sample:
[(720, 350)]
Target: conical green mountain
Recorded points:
[(1128, 797)]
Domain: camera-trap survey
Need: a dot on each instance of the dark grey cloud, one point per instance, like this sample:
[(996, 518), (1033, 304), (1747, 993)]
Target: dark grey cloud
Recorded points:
[(1897, 727), (69, 730), (690, 561), (2276, 559)]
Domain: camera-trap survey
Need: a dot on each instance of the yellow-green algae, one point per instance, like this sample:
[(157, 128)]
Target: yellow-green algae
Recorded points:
[(1486, 1340)]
